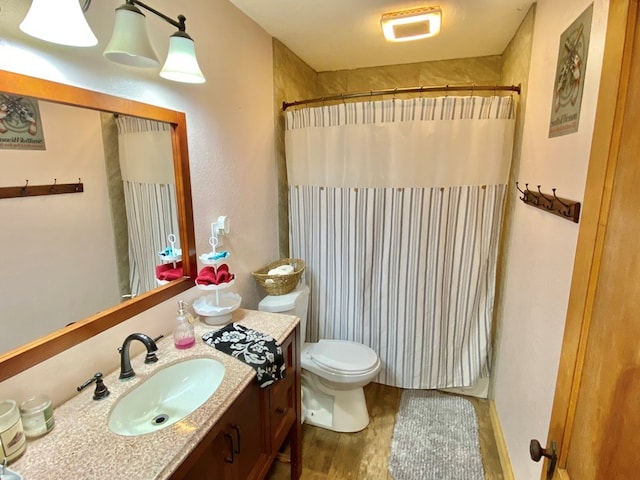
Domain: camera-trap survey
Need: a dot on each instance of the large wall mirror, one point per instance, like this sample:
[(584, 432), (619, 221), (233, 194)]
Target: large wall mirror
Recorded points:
[(78, 264)]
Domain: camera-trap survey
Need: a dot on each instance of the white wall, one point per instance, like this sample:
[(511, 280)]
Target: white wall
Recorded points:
[(541, 247), (61, 246), (230, 124)]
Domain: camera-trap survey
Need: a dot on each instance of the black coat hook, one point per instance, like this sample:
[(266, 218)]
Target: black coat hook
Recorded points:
[(549, 205), (24, 189), (52, 188), (566, 210), (536, 198)]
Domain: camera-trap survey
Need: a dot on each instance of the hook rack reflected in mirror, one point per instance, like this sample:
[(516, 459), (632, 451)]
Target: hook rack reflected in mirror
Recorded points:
[(54, 188), (562, 207)]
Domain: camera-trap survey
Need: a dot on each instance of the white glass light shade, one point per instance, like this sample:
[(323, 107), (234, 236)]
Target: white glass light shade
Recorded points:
[(181, 64), (59, 22), (130, 44)]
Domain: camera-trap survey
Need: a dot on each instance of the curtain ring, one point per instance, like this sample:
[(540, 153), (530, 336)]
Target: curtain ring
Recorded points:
[(446, 91), (473, 87), (342, 96), (421, 90)]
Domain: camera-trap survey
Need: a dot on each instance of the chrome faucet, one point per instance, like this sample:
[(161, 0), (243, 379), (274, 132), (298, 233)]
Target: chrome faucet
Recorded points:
[(125, 361)]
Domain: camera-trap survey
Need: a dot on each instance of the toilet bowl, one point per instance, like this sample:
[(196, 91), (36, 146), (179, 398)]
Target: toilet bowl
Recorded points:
[(333, 371)]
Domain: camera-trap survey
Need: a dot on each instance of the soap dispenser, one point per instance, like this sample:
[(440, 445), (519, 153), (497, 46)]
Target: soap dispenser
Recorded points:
[(183, 336)]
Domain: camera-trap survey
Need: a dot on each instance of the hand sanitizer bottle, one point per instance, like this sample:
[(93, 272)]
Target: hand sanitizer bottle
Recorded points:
[(183, 336)]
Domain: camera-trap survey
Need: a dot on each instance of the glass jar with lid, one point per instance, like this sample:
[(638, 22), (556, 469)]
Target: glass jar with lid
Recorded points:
[(37, 416)]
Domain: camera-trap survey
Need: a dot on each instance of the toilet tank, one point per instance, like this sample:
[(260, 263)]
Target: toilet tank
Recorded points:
[(293, 303)]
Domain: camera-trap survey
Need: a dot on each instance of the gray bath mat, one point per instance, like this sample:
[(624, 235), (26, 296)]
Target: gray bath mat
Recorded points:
[(435, 438)]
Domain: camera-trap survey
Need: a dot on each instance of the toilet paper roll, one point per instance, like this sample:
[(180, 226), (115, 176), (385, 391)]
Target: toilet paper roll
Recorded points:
[(281, 270)]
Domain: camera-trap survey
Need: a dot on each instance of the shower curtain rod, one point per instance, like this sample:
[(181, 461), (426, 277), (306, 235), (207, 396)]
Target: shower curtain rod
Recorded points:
[(392, 91)]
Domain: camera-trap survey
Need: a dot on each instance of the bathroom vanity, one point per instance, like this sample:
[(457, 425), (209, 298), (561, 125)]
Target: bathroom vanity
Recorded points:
[(245, 441), (236, 434)]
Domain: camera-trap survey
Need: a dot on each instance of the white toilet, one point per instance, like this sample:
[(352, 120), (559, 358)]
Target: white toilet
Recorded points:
[(333, 371)]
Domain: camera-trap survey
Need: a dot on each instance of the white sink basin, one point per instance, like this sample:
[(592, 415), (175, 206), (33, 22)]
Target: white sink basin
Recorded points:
[(166, 397)]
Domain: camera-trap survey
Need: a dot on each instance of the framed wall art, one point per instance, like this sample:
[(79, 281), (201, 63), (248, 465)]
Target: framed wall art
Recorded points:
[(570, 76), (20, 123)]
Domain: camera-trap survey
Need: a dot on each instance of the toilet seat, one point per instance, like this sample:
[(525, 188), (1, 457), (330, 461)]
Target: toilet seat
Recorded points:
[(341, 356), (340, 362)]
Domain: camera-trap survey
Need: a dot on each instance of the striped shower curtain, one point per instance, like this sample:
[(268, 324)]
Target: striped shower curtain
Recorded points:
[(396, 208), (146, 162)]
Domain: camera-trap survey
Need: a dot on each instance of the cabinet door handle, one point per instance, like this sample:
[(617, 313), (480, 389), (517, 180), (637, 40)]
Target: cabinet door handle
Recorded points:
[(237, 429), (229, 460), (281, 410)]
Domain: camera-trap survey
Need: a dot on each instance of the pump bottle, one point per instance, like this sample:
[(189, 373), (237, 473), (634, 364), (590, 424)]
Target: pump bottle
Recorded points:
[(183, 335)]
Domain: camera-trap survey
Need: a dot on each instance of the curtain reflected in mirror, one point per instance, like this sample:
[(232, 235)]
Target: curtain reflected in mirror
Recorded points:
[(68, 257), (142, 196)]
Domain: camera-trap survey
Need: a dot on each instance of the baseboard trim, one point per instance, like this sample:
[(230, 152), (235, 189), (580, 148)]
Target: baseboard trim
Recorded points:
[(503, 453)]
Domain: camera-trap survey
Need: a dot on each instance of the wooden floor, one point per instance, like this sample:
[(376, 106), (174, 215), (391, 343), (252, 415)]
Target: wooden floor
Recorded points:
[(328, 455)]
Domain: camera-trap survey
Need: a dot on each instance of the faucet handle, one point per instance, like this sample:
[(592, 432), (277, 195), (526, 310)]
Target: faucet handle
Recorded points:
[(150, 357), (101, 390)]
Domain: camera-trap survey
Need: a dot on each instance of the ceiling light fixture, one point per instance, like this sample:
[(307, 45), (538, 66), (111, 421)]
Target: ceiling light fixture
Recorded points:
[(129, 44), (411, 24)]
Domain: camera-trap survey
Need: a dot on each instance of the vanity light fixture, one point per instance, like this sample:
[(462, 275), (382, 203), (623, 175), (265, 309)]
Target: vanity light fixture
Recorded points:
[(60, 22), (129, 44), (411, 24)]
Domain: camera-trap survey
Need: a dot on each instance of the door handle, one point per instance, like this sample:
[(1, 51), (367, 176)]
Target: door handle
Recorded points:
[(537, 452)]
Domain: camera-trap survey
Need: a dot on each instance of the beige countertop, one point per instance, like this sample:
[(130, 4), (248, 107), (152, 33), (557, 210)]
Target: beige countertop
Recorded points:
[(81, 446)]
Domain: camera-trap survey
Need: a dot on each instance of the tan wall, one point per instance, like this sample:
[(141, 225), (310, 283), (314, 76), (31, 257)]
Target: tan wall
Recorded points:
[(479, 70), (292, 80), (540, 248), (515, 70)]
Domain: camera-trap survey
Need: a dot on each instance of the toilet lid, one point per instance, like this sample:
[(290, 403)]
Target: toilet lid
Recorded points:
[(343, 356)]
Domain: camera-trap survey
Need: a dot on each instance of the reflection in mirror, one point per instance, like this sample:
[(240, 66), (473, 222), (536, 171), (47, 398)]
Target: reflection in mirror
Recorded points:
[(142, 195), (76, 255), (72, 258)]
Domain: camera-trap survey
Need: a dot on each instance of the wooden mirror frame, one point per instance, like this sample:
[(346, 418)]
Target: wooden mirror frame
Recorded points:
[(26, 356)]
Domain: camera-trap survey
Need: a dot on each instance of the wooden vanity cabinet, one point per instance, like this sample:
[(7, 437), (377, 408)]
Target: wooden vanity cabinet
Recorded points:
[(247, 439), (279, 400)]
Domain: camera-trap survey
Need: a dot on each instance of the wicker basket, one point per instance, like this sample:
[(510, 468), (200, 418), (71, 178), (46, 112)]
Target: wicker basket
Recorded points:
[(279, 284)]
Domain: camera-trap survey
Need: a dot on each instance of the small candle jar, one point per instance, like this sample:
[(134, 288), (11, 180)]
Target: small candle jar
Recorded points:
[(37, 416), (12, 438)]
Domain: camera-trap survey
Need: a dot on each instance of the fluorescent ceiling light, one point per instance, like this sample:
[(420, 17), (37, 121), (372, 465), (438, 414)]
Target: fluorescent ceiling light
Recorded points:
[(411, 24)]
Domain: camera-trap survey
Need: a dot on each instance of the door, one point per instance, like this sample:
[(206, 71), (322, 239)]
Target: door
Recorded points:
[(595, 416)]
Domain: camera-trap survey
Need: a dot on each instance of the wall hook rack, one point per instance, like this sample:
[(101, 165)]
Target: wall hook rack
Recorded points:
[(562, 207), (27, 190)]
